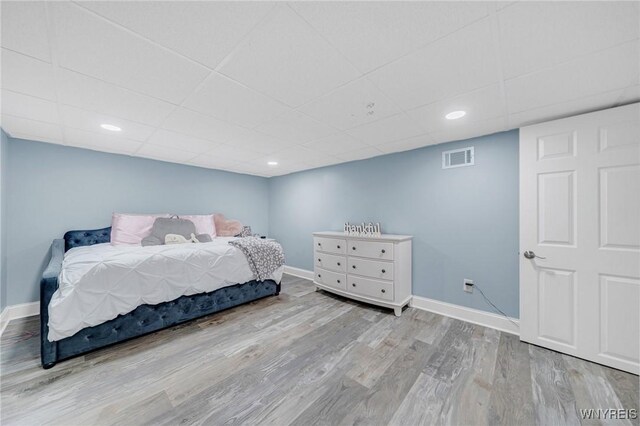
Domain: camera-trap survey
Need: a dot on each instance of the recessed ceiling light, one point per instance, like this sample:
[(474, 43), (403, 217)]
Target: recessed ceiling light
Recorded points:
[(272, 163), (110, 127), (454, 115)]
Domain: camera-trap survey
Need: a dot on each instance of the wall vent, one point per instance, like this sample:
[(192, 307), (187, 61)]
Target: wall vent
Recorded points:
[(457, 158)]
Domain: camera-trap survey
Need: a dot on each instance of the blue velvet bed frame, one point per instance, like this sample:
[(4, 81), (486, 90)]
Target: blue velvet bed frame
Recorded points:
[(144, 319)]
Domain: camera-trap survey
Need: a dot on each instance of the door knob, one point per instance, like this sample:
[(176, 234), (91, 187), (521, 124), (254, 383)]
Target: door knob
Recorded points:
[(531, 255)]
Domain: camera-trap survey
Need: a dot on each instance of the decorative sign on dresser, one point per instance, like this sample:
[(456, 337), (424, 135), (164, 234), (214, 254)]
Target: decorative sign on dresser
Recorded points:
[(375, 270)]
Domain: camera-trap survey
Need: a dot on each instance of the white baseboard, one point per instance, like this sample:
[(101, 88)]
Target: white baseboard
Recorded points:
[(475, 316), (18, 311), (297, 272)]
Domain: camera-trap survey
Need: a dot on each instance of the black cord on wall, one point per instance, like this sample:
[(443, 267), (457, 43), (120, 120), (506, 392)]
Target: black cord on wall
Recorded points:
[(494, 306)]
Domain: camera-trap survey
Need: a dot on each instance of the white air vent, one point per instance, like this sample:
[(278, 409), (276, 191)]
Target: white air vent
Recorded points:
[(457, 158)]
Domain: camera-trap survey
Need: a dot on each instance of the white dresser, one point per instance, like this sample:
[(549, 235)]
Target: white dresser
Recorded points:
[(376, 270)]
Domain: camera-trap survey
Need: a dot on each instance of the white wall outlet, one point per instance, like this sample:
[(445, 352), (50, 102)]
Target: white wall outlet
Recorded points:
[(468, 285)]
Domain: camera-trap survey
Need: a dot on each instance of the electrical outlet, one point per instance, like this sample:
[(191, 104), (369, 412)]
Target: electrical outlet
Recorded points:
[(467, 285)]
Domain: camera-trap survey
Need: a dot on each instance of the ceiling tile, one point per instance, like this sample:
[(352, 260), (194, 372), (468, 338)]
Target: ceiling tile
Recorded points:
[(92, 46), (26, 75), (387, 130), (165, 154), (630, 94), (473, 130), (480, 105), (252, 169), (536, 35), (89, 93), (605, 71), (91, 121), (360, 154), (503, 4), (336, 143), (285, 166), (299, 154), (127, 63), (203, 31), (24, 128), (201, 126), (295, 127), (101, 142), (371, 34), (260, 142), (565, 109), (406, 144), (234, 153), (286, 59), (351, 105), (194, 124), (228, 100), (457, 63), (280, 171), (213, 161), (178, 141), (24, 28), (25, 106)]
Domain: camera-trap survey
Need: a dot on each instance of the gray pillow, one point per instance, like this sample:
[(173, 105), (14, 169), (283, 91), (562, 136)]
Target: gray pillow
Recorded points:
[(174, 225)]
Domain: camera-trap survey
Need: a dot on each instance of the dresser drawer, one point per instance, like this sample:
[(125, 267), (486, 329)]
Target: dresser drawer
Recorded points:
[(331, 279), (371, 268), (372, 249), (370, 288), (330, 245), (331, 262)]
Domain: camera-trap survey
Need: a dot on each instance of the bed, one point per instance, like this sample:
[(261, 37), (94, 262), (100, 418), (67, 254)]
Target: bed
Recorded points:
[(70, 339)]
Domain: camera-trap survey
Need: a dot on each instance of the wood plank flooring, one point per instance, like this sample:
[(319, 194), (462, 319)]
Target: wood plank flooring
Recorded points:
[(307, 358)]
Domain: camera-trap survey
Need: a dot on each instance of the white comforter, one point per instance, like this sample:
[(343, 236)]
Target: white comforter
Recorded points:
[(102, 281)]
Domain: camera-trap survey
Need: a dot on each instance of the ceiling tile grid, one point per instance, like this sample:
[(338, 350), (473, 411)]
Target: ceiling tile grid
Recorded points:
[(236, 85), (90, 45), (288, 60)]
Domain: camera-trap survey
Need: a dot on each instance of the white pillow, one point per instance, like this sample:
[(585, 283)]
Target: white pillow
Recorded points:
[(204, 223), (130, 229)]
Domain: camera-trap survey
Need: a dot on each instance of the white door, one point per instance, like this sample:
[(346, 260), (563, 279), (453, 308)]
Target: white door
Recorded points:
[(580, 213)]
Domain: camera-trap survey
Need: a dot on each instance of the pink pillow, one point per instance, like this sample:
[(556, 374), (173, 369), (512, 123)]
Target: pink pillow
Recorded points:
[(131, 228), (204, 223), (226, 228)]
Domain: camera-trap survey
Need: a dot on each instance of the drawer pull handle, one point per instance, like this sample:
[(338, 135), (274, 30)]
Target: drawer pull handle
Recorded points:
[(383, 251), (383, 271), (383, 290), (338, 263), (353, 284), (319, 244), (319, 276), (338, 246), (338, 281), (319, 260), (353, 266), (353, 248)]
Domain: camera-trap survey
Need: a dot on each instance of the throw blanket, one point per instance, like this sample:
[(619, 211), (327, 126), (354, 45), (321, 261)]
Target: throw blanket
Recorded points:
[(264, 257)]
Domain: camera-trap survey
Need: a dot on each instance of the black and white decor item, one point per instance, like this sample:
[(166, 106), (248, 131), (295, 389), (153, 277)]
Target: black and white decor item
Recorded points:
[(363, 230)]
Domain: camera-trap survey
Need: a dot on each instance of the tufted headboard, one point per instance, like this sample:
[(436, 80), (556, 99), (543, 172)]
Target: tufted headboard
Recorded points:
[(86, 238)]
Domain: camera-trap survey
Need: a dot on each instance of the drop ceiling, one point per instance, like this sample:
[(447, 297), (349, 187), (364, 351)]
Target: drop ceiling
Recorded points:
[(235, 85)]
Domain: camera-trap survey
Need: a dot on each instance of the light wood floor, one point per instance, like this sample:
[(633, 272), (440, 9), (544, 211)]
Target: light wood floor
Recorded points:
[(304, 358)]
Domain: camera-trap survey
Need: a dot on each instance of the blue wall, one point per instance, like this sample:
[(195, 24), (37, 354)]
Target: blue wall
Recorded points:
[(464, 220), (52, 189), (4, 145)]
